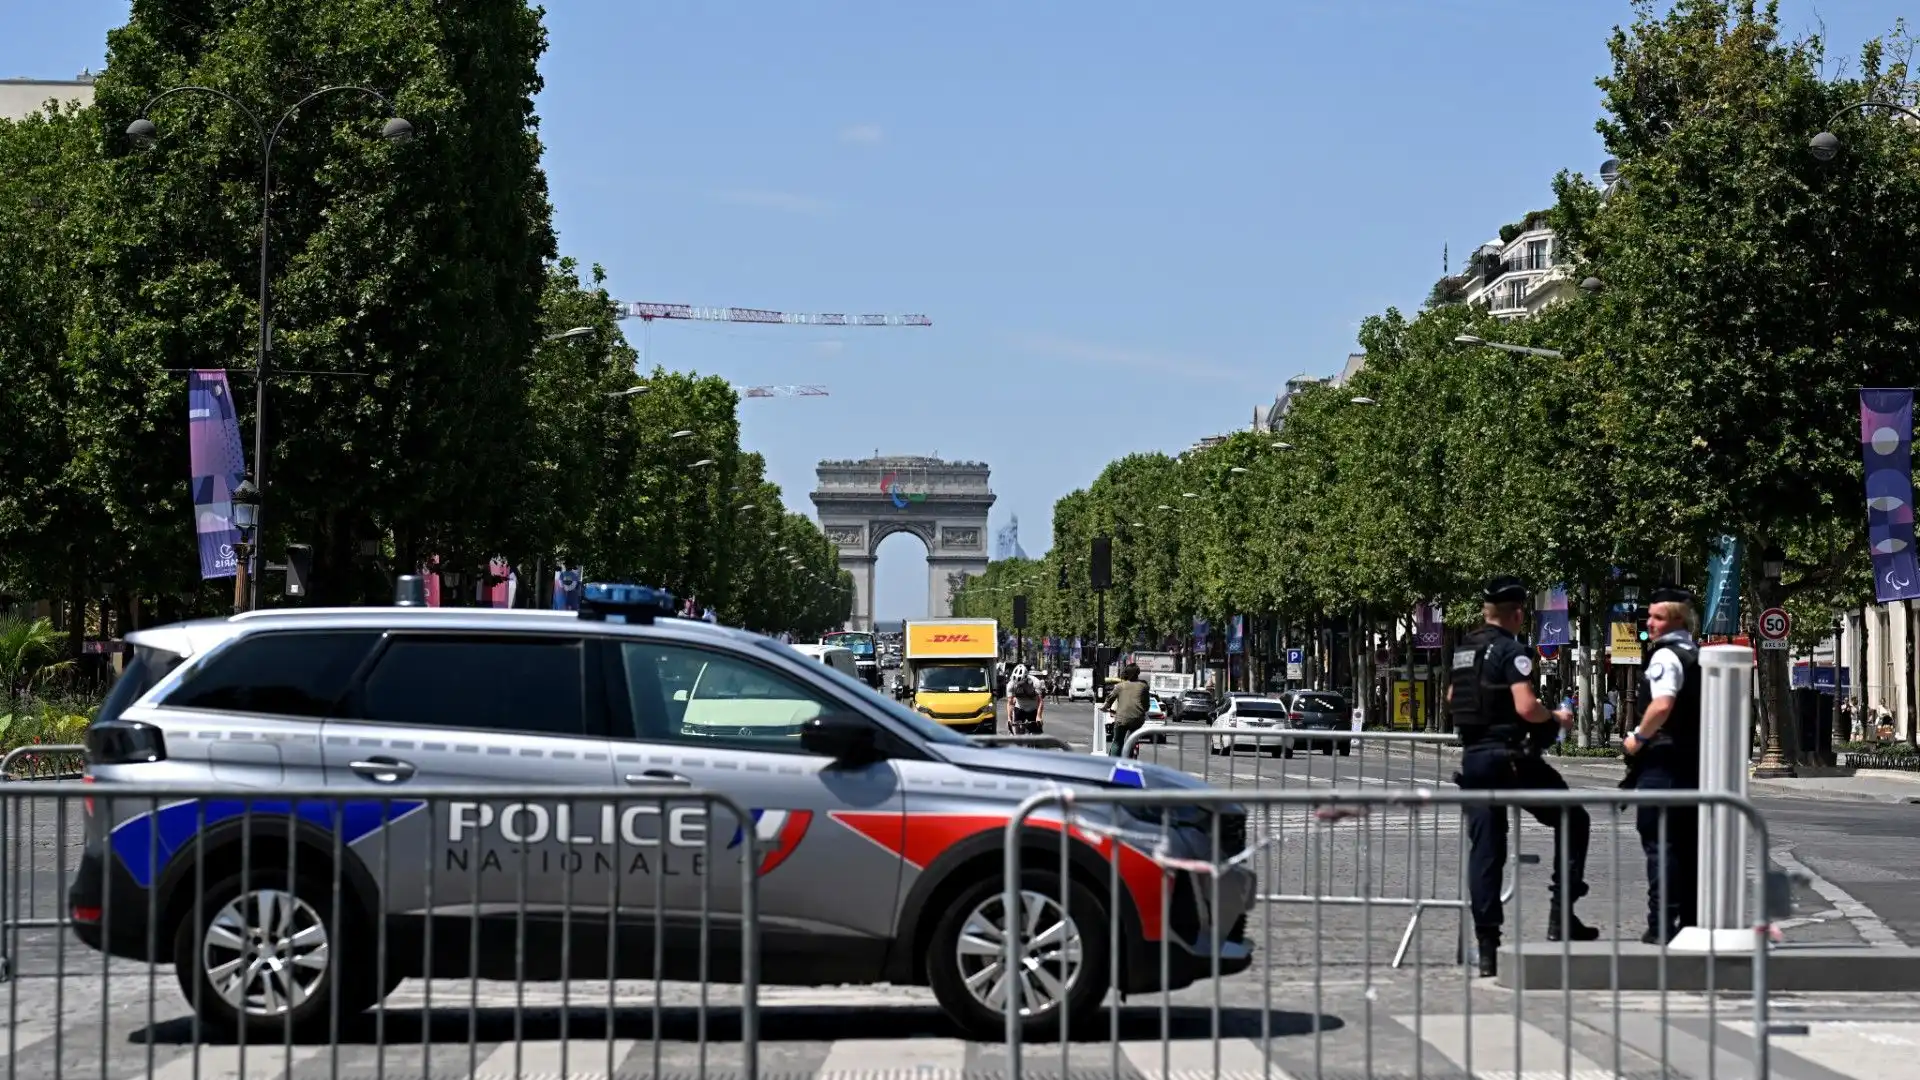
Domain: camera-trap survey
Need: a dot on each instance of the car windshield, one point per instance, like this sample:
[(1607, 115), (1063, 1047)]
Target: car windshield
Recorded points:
[(1269, 710), (918, 724), (1320, 703), (954, 679)]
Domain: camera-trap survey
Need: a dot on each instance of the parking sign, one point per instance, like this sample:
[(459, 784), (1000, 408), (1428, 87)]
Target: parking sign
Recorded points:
[(1296, 663)]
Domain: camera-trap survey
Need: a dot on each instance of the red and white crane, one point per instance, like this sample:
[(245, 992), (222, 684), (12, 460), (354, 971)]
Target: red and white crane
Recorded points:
[(647, 312), (780, 391)]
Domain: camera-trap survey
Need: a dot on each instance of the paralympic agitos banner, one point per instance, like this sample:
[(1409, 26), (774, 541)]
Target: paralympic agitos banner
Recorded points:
[(1886, 447), (218, 462)]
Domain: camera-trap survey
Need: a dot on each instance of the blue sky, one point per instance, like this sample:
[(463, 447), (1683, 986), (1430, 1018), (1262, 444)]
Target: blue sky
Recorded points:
[(1129, 222)]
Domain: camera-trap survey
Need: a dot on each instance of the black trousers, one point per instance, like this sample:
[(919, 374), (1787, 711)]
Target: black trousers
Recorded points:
[(1498, 767), (1673, 856)]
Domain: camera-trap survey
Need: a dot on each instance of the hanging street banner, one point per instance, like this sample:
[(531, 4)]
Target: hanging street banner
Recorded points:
[(1426, 626), (1554, 627), (1886, 447), (1722, 616), (1202, 630), (1236, 630), (218, 463)]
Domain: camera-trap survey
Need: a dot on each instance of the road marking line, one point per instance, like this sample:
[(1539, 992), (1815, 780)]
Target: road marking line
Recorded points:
[(586, 1059), (926, 1058), (22, 1034), (223, 1063), (1194, 1058), (1541, 1054), (1865, 922)]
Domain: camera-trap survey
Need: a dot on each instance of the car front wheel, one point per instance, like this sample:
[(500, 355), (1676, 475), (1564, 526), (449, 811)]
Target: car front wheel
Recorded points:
[(1064, 954)]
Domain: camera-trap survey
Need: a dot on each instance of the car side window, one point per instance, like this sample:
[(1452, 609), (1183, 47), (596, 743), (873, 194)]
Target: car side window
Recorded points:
[(291, 673), (533, 685), (689, 695)]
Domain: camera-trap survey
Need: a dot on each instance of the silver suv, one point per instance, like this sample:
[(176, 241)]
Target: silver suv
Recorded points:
[(881, 832)]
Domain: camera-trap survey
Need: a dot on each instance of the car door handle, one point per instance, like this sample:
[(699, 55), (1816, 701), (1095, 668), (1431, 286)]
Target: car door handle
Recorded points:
[(383, 770), (658, 776)]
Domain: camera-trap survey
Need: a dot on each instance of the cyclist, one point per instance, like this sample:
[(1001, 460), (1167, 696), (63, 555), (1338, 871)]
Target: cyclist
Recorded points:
[(1126, 705), (1025, 702)]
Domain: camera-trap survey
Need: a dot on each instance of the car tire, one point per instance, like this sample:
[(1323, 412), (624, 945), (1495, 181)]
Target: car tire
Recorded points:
[(250, 913), (976, 907), (1327, 748), (1346, 748)]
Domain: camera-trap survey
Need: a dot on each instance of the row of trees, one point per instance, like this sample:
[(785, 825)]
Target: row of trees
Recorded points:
[(1707, 387), (416, 406)]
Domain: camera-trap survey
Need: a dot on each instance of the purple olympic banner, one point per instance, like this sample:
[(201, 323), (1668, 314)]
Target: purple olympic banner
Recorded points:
[(1886, 446), (1427, 626), (1554, 628), (218, 463)]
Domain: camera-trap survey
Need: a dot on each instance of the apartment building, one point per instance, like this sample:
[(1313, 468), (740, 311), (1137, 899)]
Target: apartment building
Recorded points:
[(1268, 418), (22, 97), (1518, 273)]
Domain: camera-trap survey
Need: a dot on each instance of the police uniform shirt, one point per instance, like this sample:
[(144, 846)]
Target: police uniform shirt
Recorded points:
[(1665, 674), (1508, 662)]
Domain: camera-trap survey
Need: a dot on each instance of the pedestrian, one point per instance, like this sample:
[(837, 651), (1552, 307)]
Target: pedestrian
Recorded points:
[(1664, 755), (1126, 706), (1502, 725)]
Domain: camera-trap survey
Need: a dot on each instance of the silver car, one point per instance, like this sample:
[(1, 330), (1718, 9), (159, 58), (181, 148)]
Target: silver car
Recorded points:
[(881, 833)]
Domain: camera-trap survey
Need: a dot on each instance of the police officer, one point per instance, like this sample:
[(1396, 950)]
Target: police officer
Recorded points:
[(1664, 755), (1502, 724)]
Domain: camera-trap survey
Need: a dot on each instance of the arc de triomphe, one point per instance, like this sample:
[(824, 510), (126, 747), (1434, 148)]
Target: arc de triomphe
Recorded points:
[(944, 503)]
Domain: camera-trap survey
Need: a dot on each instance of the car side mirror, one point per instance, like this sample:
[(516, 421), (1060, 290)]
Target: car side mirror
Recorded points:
[(679, 695), (846, 739)]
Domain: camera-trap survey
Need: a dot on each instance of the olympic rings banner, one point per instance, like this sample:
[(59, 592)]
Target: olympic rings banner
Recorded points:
[(1886, 446), (217, 463)]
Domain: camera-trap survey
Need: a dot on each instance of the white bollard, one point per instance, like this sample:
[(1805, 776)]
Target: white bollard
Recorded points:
[(1099, 739), (1726, 728)]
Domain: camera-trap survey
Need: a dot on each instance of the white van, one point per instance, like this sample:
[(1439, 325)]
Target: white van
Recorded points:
[(1081, 688), (837, 657)]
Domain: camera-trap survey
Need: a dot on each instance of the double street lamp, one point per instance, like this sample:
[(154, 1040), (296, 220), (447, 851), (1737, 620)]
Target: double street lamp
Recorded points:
[(143, 133), (1826, 146)]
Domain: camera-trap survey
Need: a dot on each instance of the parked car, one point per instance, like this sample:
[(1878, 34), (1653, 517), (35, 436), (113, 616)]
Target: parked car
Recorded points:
[(1318, 710), (1253, 715)]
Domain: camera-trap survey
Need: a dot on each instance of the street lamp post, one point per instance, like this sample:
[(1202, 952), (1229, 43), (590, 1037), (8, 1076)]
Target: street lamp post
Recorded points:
[(1826, 146), (1773, 761), (143, 133), (246, 508)]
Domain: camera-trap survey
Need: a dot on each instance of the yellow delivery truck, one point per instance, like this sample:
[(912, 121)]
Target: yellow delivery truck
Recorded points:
[(950, 664)]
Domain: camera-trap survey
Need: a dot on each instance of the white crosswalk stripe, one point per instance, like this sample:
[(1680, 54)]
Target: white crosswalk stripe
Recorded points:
[(1495, 1044)]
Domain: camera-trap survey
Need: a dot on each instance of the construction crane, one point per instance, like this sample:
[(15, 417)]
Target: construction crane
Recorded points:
[(647, 312), (780, 391)]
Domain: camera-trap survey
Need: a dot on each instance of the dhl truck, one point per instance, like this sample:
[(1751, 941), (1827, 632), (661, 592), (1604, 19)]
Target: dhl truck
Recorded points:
[(950, 665)]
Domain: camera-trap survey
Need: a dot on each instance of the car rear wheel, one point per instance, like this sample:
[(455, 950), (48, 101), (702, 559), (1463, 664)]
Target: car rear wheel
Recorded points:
[(1065, 958), (1346, 748), (265, 954)]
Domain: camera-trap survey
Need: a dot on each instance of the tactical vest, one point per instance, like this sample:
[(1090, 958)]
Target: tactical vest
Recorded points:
[(1481, 711), (1680, 735)]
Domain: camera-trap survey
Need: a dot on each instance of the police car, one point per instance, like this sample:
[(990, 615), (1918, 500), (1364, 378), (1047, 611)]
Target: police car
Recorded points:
[(880, 833)]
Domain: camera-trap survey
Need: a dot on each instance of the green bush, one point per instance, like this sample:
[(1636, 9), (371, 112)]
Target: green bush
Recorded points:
[(1875, 746), (46, 721)]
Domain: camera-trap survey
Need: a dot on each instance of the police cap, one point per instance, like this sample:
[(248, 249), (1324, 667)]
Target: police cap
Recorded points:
[(1505, 590), (1670, 594)]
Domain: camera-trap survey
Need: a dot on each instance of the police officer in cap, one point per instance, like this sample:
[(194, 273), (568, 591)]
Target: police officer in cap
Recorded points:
[(1502, 723), (1664, 755)]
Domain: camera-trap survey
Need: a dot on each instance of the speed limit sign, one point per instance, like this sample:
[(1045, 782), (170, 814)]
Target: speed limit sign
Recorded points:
[(1774, 625)]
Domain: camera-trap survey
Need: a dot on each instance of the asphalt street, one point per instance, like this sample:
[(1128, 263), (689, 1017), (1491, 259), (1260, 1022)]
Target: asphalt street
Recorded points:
[(1324, 998)]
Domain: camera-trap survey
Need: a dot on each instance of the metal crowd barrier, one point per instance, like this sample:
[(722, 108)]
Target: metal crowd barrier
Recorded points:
[(23, 904), (1410, 759), (1118, 848), (387, 932)]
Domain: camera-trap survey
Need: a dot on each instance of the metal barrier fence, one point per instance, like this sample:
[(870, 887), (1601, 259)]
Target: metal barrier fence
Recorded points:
[(1108, 883), (1411, 759), (23, 905), (549, 920)]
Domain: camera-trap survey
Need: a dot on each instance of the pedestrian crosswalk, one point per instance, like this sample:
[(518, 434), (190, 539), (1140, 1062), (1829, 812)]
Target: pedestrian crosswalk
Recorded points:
[(855, 1034)]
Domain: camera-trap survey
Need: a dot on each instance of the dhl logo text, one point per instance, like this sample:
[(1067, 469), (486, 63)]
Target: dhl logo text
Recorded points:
[(949, 638)]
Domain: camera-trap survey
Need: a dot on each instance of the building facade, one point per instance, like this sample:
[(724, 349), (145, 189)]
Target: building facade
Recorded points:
[(21, 98)]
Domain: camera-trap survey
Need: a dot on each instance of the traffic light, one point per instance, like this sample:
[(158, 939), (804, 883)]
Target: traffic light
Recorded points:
[(1019, 613), (1102, 569), (299, 568)]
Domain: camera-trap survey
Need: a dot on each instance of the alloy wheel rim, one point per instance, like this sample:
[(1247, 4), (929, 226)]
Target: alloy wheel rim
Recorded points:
[(266, 952), (1052, 954)]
